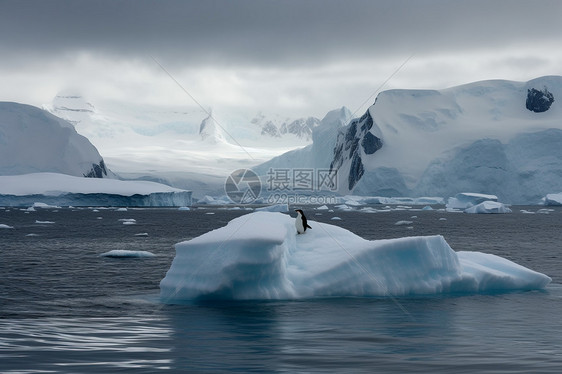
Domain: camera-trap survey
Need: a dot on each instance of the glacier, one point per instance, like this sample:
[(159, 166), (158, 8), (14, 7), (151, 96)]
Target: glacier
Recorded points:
[(259, 256), (67, 190)]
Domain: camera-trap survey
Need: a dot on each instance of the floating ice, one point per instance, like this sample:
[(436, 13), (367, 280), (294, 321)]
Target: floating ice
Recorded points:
[(127, 253), (128, 221), (468, 199), (401, 223), (488, 207), (45, 206), (259, 256)]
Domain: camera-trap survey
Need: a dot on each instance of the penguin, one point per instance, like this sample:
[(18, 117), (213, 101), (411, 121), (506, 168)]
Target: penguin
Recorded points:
[(300, 222)]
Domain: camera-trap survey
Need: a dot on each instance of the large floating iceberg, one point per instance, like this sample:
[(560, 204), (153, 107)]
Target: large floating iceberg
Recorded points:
[(260, 256)]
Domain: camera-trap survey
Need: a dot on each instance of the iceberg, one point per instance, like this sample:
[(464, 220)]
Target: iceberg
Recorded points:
[(488, 207), (260, 256), (466, 200)]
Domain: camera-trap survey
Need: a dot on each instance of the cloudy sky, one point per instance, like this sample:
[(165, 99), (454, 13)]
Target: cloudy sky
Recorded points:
[(290, 57)]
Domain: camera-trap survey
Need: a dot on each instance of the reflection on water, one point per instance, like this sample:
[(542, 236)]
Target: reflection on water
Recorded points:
[(87, 344), (478, 333)]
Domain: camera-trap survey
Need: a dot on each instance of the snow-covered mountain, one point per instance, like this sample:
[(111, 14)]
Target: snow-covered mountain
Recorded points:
[(33, 140), (316, 155), (181, 146), (278, 127), (211, 132), (497, 137)]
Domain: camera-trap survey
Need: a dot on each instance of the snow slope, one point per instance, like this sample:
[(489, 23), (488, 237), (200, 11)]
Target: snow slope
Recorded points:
[(33, 140), (260, 256)]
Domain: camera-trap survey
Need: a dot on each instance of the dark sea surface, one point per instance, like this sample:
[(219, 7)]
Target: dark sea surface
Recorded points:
[(66, 309)]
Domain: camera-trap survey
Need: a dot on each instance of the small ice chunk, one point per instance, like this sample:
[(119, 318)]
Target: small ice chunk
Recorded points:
[(400, 223), (127, 253)]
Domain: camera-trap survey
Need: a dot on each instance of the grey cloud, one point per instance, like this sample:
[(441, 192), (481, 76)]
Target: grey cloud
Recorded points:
[(270, 33)]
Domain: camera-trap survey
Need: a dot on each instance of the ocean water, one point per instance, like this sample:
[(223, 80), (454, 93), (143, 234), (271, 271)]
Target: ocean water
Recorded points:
[(66, 309)]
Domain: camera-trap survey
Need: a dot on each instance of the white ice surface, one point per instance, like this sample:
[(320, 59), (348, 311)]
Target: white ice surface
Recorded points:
[(553, 199), (488, 207), (127, 253), (53, 184), (259, 256), (466, 200)]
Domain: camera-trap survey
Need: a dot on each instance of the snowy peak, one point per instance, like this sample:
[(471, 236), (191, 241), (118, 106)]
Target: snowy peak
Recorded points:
[(316, 155), (210, 132), (72, 107), (33, 140), (278, 127), (353, 143)]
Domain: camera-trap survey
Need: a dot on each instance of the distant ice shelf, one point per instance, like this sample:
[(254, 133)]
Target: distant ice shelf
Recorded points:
[(66, 190)]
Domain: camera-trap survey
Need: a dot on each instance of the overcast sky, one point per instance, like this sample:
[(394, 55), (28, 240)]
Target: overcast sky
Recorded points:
[(290, 57)]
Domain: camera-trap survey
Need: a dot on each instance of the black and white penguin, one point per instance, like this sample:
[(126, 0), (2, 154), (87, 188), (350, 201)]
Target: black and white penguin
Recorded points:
[(300, 222)]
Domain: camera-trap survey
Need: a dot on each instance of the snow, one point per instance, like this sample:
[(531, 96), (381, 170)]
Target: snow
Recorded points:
[(259, 256), (34, 140), (53, 184), (488, 207), (474, 137), (274, 208), (553, 199), (127, 253), (59, 187), (164, 142)]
